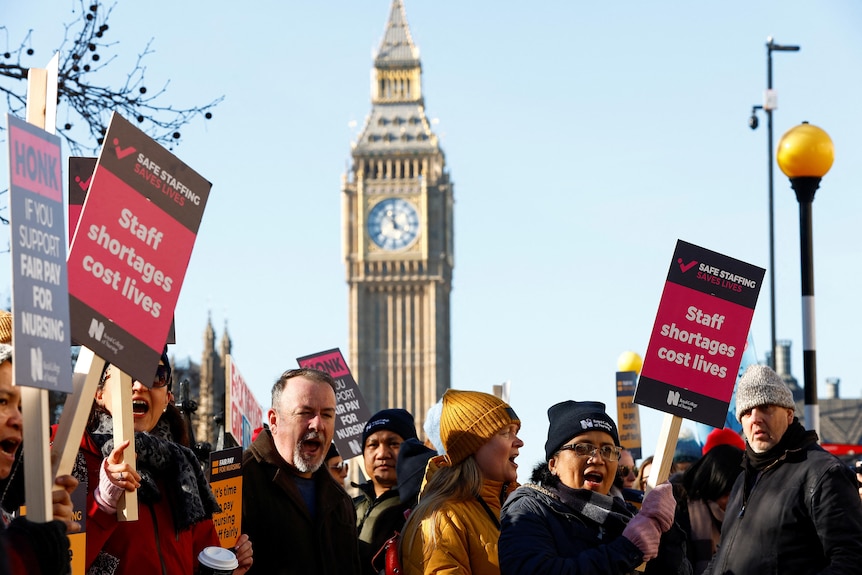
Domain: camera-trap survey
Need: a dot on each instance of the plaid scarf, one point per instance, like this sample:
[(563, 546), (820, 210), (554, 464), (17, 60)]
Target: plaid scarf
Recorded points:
[(159, 457), (608, 514)]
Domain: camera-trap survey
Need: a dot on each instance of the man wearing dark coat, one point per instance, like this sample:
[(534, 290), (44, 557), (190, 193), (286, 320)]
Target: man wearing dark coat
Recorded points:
[(795, 507), (379, 510), (298, 518)]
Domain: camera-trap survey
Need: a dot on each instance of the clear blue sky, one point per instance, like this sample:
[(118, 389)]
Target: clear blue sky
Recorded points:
[(584, 139)]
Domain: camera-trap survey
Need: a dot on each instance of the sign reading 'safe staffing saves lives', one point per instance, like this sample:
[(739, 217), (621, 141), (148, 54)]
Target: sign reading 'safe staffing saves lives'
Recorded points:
[(699, 335), (130, 252), (40, 303)]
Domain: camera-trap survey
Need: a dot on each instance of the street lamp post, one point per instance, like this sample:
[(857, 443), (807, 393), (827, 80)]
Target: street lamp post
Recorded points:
[(805, 154), (770, 103)]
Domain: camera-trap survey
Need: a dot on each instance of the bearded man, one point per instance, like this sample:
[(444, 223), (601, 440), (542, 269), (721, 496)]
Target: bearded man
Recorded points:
[(298, 518)]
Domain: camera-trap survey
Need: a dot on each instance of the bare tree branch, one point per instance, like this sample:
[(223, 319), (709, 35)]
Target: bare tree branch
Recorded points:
[(83, 99)]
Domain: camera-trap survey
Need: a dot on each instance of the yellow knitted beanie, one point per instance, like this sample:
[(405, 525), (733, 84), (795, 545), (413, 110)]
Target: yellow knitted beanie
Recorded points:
[(469, 420), (5, 326)]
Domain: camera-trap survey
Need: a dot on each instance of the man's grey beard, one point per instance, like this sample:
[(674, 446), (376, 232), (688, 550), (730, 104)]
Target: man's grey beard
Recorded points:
[(303, 464)]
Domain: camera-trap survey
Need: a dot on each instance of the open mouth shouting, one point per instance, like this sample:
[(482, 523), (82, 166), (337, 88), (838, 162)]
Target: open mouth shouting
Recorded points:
[(145, 412), (8, 448), (594, 479), (311, 442), (310, 452), (140, 407), (512, 460)]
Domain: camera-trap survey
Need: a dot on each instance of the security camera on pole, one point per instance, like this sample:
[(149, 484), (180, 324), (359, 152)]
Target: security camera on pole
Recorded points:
[(770, 103)]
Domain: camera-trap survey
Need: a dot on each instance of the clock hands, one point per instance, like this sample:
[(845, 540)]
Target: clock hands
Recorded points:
[(396, 223), (393, 223)]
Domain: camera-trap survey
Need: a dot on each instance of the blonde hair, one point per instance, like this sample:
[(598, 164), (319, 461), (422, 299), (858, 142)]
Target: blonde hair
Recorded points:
[(460, 482)]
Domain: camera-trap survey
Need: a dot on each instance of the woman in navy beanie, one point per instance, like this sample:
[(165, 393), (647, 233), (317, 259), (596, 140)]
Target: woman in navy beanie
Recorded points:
[(567, 521)]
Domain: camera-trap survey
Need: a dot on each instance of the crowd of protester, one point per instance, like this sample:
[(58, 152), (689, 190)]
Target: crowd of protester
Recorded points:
[(767, 500)]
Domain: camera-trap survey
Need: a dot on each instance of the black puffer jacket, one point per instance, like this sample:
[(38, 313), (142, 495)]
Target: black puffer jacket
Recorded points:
[(801, 515)]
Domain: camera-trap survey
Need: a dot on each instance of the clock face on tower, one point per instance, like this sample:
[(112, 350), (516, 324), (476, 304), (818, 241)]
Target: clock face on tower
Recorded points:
[(393, 224)]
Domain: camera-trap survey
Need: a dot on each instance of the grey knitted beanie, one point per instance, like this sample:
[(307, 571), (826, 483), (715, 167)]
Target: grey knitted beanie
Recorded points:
[(760, 385)]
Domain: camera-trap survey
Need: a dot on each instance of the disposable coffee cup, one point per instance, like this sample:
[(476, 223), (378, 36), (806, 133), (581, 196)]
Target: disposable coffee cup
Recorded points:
[(217, 561)]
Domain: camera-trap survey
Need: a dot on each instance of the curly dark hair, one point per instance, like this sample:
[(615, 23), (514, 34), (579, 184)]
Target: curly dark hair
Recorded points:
[(542, 475)]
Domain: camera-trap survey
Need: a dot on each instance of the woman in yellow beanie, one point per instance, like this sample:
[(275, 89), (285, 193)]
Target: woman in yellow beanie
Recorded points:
[(456, 525)]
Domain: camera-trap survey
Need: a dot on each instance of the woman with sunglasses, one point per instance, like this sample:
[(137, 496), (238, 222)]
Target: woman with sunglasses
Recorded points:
[(337, 467), (175, 502), (566, 521)]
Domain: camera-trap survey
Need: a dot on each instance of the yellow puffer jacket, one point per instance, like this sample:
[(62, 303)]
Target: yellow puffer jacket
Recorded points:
[(467, 541)]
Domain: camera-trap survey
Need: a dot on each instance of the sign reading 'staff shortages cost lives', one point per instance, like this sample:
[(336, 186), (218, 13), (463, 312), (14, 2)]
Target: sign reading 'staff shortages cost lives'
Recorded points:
[(699, 335), (132, 245), (351, 411), (40, 300)]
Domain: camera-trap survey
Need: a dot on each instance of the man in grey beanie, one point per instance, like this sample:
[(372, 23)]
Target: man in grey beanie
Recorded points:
[(795, 507)]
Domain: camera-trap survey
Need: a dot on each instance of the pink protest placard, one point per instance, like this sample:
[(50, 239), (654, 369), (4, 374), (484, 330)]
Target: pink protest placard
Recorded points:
[(699, 334), (131, 249), (244, 413)]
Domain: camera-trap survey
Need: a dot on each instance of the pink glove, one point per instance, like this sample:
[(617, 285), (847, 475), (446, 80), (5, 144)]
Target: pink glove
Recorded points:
[(644, 532), (107, 494), (660, 505)]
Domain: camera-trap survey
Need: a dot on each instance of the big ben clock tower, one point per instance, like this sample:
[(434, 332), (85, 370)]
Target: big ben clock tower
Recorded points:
[(398, 244)]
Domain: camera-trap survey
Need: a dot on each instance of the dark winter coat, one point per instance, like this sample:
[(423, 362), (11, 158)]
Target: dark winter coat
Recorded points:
[(377, 519), (26, 546), (285, 538), (34, 548), (801, 514), (541, 535)]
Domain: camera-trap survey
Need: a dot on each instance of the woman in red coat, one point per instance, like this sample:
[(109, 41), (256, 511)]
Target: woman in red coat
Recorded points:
[(175, 502)]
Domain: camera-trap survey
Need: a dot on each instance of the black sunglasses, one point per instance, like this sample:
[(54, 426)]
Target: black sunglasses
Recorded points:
[(625, 470), (162, 378)]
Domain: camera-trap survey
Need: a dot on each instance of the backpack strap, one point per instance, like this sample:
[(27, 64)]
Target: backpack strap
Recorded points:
[(391, 560)]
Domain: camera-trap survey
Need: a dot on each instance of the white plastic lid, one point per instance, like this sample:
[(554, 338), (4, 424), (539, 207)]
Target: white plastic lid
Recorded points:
[(218, 558)]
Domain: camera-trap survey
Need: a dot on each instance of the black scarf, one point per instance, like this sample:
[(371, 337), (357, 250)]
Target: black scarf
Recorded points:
[(608, 513), (159, 457), (796, 437)]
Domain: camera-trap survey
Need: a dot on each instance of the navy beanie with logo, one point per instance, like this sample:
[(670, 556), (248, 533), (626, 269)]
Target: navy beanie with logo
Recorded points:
[(571, 418), (398, 421)]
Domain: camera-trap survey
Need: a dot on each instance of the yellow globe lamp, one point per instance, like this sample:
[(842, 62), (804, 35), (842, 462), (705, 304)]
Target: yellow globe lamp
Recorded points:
[(629, 361), (805, 151), (805, 154)]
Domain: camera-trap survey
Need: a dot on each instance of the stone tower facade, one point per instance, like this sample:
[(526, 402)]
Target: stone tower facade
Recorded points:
[(212, 384), (398, 238)]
